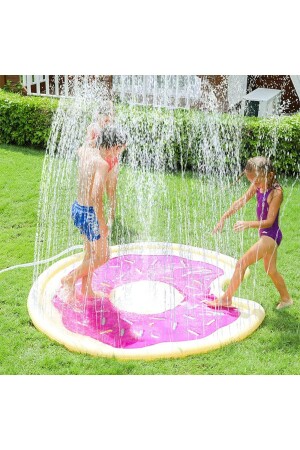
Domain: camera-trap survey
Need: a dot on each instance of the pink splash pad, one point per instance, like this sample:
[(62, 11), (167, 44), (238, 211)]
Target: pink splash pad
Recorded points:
[(188, 320)]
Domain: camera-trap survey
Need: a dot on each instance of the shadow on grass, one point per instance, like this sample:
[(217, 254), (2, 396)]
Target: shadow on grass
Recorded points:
[(33, 151), (285, 329)]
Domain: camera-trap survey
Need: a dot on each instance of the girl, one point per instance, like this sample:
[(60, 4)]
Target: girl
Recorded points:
[(269, 195), (103, 118)]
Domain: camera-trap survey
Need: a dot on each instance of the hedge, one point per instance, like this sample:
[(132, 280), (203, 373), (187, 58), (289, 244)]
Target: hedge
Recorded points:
[(26, 121), (276, 137)]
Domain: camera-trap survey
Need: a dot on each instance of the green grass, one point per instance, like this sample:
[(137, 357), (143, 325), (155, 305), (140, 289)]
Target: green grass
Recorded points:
[(272, 349)]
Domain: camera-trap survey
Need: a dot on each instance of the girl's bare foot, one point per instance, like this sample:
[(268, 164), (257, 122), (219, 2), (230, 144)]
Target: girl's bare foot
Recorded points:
[(284, 303), (220, 303)]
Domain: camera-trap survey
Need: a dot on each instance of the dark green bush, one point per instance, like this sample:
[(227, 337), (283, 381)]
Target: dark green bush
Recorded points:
[(277, 137), (13, 87), (25, 121)]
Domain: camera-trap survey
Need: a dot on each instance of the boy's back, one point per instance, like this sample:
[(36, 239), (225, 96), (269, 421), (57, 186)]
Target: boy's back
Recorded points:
[(90, 165)]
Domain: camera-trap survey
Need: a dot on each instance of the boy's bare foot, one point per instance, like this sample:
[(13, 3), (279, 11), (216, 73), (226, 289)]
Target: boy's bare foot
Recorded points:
[(70, 298), (284, 303), (220, 303), (67, 287), (78, 301), (76, 304), (67, 293), (94, 294)]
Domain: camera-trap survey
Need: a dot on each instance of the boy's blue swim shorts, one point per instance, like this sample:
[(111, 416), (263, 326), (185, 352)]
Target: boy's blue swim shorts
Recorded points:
[(85, 220)]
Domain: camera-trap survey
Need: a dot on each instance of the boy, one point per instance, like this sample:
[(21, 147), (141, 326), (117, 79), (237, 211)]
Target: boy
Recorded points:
[(94, 165), (104, 118)]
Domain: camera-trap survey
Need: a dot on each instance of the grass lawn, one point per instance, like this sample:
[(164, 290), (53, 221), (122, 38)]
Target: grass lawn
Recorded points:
[(272, 349)]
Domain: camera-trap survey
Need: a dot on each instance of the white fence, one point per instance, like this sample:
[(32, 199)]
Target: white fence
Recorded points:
[(173, 91), (40, 85), (55, 85)]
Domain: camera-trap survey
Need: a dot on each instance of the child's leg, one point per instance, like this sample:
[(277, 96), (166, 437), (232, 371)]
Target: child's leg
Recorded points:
[(98, 255), (270, 261), (87, 278), (254, 254), (84, 270), (69, 280), (111, 188)]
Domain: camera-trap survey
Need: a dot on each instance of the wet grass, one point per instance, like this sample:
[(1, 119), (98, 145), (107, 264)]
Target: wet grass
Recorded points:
[(272, 349)]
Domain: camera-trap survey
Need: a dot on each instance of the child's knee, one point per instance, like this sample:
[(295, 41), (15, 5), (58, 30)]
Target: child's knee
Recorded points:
[(98, 262), (242, 264), (272, 272)]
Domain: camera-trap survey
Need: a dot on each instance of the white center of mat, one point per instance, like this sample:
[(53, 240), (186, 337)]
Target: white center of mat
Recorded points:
[(146, 297)]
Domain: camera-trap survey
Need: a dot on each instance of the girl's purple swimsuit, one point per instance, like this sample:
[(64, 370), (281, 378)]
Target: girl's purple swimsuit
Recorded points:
[(262, 210)]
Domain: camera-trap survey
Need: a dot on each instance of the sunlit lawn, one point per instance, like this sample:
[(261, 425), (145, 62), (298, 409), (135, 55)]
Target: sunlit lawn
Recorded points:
[(272, 349)]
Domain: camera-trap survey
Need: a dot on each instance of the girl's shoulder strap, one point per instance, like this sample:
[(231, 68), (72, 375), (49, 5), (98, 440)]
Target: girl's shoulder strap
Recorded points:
[(276, 190)]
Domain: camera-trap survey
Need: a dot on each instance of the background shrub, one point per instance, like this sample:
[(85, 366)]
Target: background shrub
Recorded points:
[(27, 120), (277, 137)]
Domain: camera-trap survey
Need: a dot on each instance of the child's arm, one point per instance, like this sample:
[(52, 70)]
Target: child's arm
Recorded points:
[(92, 134), (111, 188), (238, 204), (98, 194), (272, 213)]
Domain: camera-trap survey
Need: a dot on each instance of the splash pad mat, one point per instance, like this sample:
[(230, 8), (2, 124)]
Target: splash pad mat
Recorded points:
[(153, 305)]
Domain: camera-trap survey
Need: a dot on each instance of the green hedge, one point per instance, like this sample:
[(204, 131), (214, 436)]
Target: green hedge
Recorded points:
[(26, 121), (277, 137)]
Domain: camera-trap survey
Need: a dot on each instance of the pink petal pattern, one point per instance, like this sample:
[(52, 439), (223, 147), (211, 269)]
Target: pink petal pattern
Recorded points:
[(190, 320)]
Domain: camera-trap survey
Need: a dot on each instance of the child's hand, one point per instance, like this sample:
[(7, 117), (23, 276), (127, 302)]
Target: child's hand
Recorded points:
[(218, 227), (240, 225)]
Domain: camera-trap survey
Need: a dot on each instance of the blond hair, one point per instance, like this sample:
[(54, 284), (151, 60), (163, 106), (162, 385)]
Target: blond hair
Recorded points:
[(262, 166)]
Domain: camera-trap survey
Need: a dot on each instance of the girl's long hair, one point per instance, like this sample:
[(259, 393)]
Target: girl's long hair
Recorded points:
[(263, 166)]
